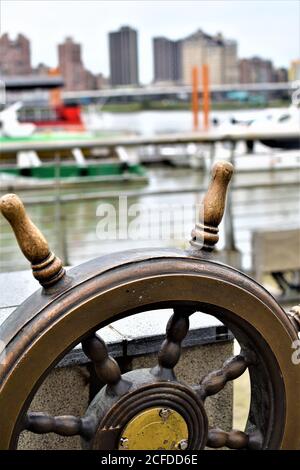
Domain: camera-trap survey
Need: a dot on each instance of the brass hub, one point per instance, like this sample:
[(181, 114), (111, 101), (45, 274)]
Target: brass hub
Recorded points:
[(152, 415), (155, 428)]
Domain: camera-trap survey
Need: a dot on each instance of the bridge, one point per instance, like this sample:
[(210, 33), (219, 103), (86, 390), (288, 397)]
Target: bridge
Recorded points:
[(150, 92), (172, 91)]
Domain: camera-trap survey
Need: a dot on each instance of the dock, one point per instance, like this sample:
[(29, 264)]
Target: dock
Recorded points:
[(208, 137)]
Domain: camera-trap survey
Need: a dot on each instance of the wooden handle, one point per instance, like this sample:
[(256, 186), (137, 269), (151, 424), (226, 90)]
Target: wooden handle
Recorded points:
[(215, 197), (30, 239), (47, 268), (205, 234)]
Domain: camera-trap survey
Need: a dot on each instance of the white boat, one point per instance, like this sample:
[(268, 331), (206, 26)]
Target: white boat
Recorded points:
[(276, 121), (10, 125), (287, 120)]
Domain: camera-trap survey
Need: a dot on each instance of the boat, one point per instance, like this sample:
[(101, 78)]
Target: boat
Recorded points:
[(29, 171), (45, 176), (279, 121), (29, 168), (62, 116), (288, 120)]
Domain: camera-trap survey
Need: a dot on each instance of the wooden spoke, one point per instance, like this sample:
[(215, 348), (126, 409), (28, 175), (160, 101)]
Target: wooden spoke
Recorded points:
[(233, 439), (169, 354), (43, 423), (106, 367), (216, 380)]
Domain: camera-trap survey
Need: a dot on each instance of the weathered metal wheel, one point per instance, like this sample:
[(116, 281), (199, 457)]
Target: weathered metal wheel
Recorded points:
[(149, 409)]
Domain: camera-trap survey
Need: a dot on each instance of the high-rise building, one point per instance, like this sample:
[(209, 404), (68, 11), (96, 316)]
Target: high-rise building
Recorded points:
[(71, 65), (231, 68), (167, 60), (294, 70), (256, 70), (281, 74), (218, 53), (123, 57), (15, 55)]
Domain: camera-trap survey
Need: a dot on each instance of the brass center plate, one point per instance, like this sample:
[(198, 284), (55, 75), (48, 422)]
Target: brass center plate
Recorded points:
[(154, 429)]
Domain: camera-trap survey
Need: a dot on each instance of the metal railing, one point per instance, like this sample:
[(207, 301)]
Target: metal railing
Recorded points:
[(70, 223)]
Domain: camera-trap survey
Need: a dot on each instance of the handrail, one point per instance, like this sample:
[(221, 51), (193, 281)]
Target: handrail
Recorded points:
[(210, 137), (70, 198)]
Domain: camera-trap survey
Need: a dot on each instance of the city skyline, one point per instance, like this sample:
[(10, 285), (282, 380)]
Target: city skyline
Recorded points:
[(282, 49), (173, 61)]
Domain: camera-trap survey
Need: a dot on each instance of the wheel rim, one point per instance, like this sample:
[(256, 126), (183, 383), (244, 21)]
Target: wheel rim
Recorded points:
[(168, 280)]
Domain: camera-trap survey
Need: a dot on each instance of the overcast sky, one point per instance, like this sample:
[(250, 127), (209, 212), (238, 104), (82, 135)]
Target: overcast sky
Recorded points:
[(269, 28)]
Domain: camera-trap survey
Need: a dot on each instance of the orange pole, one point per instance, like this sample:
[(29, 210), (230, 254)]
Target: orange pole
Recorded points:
[(195, 98), (206, 95), (55, 98)]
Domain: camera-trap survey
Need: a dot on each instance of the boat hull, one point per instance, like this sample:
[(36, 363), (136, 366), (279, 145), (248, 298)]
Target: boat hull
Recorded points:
[(285, 144), (68, 175)]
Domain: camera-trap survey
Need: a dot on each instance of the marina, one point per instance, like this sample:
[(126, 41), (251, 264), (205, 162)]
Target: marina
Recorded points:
[(112, 154), (175, 167)]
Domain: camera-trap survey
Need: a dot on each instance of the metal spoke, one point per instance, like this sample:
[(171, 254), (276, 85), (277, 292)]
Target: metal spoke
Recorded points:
[(106, 367), (170, 351), (43, 423), (233, 439), (216, 380)]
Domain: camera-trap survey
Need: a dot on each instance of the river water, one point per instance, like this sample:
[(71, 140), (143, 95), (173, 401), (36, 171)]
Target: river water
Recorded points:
[(155, 122), (270, 201)]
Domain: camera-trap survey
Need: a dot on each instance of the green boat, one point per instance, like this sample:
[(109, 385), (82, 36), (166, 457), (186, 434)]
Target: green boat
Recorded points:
[(31, 159), (74, 167), (60, 137), (48, 171), (13, 177), (43, 177)]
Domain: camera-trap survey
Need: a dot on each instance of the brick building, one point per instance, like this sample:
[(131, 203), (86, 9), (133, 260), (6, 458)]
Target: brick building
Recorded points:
[(15, 58)]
